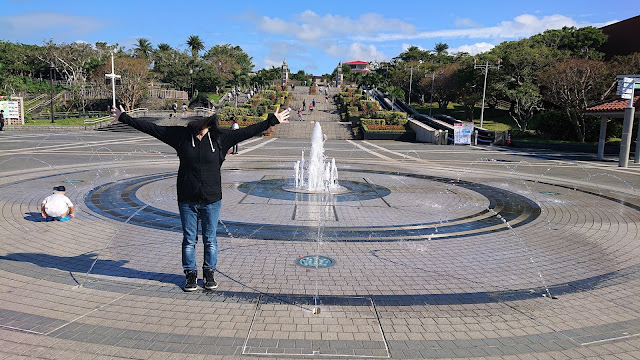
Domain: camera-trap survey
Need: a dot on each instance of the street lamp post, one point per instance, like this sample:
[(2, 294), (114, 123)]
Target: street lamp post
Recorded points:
[(486, 68), (51, 75), (191, 76), (433, 79), (410, 81), (112, 77)]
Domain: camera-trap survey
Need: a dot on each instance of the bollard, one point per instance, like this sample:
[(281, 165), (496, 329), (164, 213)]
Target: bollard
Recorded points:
[(475, 140)]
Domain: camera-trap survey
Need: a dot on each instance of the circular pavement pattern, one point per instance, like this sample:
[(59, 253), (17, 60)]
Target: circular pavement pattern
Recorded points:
[(429, 262)]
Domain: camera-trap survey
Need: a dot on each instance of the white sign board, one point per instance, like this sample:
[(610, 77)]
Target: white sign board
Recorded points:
[(11, 109), (462, 133)]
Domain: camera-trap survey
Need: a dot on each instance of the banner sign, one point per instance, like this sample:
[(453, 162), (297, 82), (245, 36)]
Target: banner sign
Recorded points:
[(462, 133)]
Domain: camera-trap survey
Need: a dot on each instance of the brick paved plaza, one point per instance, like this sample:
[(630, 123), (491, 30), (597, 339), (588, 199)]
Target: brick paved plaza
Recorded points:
[(437, 252)]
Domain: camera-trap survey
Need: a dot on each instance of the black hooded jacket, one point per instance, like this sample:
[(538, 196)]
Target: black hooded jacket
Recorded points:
[(200, 160)]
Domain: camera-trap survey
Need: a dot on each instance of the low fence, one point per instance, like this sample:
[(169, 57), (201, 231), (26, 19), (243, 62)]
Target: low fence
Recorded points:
[(133, 113), (427, 134)]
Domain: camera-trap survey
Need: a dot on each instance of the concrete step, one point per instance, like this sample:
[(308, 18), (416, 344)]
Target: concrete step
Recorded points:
[(304, 129)]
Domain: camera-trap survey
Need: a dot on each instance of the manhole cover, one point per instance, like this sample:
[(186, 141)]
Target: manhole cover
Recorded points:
[(315, 261), (72, 181), (549, 193)]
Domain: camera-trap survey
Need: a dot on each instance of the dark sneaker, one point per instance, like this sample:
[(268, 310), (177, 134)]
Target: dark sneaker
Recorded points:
[(192, 281), (209, 282)]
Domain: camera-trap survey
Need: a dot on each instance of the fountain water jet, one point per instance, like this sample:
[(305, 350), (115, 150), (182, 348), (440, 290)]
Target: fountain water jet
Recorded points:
[(322, 176)]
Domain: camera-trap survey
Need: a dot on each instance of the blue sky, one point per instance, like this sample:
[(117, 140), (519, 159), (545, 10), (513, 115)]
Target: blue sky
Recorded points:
[(312, 36)]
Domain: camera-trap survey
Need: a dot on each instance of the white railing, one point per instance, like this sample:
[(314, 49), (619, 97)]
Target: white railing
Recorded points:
[(203, 111), (137, 111)]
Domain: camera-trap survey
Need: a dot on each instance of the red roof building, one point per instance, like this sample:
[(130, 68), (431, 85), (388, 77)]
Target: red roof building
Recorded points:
[(612, 107), (615, 109), (359, 66)]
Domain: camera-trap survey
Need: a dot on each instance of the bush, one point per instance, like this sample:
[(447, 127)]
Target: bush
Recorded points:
[(372, 121), (269, 94), (261, 110), (393, 117), (266, 102)]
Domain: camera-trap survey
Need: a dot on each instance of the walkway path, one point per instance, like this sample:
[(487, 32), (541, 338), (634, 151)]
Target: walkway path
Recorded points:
[(438, 252)]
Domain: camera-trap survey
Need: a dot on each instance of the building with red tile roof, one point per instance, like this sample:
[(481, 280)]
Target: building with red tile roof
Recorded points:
[(359, 66)]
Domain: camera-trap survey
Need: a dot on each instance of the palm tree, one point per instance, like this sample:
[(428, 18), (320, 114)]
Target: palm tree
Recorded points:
[(164, 47), (441, 48), (143, 48), (395, 92), (195, 44)]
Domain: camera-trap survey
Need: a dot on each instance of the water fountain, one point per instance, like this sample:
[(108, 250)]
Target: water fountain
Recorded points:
[(322, 176)]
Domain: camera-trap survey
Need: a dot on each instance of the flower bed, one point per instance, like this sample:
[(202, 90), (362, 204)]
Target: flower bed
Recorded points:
[(385, 128)]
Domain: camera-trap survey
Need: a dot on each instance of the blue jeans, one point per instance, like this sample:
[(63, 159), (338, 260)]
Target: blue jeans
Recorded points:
[(209, 214)]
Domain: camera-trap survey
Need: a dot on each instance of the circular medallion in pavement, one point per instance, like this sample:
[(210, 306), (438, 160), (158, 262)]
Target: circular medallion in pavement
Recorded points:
[(315, 261)]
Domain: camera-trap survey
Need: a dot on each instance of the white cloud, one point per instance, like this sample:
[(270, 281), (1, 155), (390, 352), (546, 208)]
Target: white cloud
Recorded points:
[(281, 50), (521, 26), (309, 26), (473, 49), (356, 51), (34, 23), (466, 22)]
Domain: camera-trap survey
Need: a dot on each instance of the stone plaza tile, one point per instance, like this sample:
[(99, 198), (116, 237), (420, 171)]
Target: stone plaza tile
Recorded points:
[(441, 252)]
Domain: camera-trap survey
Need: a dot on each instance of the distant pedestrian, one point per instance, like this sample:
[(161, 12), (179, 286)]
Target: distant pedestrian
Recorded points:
[(299, 114), (235, 126), (313, 102), (174, 107), (1, 120), (304, 104), (184, 109)]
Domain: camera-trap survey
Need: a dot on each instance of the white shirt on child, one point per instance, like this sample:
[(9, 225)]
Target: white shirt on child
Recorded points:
[(56, 204)]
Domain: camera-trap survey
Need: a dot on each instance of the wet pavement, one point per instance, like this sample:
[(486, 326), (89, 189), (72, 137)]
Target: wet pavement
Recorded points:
[(434, 252)]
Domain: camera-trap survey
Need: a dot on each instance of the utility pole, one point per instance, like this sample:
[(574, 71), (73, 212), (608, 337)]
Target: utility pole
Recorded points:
[(51, 75), (486, 68), (433, 79), (112, 78), (410, 82)]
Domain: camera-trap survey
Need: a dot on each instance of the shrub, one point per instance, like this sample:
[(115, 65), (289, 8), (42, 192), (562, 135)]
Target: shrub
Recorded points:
[(368, 121), (393, 117), (270, 94)]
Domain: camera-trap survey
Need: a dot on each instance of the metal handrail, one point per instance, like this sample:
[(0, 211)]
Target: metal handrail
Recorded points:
[(109, 117)]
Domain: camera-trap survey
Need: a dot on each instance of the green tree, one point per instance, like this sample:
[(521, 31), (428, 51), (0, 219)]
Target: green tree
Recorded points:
[(164, 47), (300, 76), (228, 59), (135, 75), (574, 42), (573, 84), (172, 66), (395, 93), (195, 44), (441, 49), (143, 48)]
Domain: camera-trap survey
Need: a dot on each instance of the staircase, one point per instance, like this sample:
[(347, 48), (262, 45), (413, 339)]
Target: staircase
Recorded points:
[(325, 112), (303, 130)]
